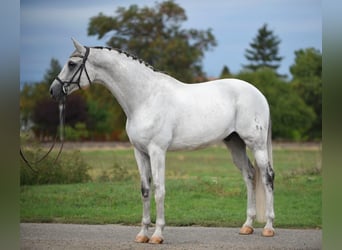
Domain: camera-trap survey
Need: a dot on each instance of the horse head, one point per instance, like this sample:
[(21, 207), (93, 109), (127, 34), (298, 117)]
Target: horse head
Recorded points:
[(74, 74)]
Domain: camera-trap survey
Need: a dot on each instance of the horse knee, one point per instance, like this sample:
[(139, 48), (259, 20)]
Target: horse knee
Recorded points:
[(159, 192), (145, 188), (145, 192)]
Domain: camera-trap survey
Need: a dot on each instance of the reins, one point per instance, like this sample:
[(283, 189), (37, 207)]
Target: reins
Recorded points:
[(62, 119), (64, 85)]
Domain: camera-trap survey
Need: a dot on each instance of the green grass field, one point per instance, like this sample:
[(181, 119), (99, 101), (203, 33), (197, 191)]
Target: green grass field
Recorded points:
[(202, 188)]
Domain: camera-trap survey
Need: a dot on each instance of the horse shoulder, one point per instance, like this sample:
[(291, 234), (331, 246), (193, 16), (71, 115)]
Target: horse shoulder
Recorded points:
[(152, 122)]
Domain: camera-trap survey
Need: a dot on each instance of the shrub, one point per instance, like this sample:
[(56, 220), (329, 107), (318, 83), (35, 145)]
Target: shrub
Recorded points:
[(119, 172), (70, 168), (116, 173), (76, 133)]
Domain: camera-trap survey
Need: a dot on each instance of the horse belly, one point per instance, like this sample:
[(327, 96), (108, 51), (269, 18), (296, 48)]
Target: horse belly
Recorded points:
[(202, 127)]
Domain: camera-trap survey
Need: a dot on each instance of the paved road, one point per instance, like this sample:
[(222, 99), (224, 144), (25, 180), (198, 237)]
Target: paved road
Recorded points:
[(71, 236)]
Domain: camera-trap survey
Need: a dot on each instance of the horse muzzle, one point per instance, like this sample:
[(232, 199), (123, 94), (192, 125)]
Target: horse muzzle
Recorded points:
[(56, 91)]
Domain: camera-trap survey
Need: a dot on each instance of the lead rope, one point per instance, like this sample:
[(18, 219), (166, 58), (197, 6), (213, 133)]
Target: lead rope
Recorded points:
[(61, 138)]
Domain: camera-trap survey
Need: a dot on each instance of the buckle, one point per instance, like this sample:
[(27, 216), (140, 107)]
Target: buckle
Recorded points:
[(64, 89)]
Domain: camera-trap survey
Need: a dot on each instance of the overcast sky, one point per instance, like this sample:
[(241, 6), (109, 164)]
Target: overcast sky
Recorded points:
[(47, 28)]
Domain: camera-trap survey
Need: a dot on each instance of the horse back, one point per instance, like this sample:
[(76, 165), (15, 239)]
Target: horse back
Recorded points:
[(208, 112)]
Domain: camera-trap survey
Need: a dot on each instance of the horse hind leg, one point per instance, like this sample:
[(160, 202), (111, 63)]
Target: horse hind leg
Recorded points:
[(266, 176), (237, 148)]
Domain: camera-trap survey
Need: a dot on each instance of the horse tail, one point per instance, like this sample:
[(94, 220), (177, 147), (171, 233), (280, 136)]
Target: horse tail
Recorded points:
[(260, 196), (259, 185)]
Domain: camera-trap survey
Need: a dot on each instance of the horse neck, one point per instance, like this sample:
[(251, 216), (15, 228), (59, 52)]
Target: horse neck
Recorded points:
[(131, 82)]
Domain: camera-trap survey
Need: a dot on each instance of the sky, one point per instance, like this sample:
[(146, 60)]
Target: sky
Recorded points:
[(46, 28)]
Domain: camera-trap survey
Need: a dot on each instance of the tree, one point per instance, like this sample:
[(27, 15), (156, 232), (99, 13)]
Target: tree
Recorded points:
[(156, 35), (291, 116), (46, 114), (52, 72), (264, 51), (225, 73), (34, 93), (45, 117), (307, 82), (29, 95)]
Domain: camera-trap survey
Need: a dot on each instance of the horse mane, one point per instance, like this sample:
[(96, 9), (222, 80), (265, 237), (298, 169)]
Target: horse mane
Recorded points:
[(129, 55)]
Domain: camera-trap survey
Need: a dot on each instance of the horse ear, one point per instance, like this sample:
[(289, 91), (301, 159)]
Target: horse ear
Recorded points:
[(79, 47)]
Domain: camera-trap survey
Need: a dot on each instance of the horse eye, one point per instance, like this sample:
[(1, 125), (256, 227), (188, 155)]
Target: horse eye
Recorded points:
[(71, 64)]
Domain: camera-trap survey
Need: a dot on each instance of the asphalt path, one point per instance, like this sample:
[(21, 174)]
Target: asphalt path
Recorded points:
[(72, 236)]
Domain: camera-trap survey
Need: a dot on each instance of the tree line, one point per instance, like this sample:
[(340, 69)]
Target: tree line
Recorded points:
[(157, 35)]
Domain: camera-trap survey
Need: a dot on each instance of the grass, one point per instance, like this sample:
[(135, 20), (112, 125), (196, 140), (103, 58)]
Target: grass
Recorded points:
[(202, 188)]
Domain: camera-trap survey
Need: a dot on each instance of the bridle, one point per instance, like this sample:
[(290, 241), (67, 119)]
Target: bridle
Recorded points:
[(65, 85), (79, 71)]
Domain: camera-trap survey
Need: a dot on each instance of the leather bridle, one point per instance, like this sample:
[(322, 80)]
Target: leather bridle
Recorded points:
[(65, 85), (79, 71)]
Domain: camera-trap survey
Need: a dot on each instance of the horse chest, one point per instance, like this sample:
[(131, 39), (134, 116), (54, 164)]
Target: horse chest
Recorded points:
[(146, 128)]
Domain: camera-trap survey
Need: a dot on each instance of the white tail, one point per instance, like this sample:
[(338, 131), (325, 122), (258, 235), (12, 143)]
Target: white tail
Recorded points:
[(260, 192), (260, 196)]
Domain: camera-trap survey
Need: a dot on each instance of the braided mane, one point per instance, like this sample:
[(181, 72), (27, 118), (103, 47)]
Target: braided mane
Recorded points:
[(129, 55)]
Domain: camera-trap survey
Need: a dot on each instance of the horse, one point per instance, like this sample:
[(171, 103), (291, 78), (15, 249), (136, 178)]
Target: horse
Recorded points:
[(166, 114)]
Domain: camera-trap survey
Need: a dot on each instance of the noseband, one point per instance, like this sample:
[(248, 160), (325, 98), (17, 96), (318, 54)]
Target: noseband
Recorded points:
[(79, 71)]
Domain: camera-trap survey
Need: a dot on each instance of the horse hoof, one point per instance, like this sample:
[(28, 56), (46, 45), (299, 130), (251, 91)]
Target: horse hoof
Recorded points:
[(141, 239), (268, 232), (156, 240), (245, 230)]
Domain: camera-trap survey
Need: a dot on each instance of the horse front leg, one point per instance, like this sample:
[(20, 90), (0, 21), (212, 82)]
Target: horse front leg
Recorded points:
[(157, 157), (144, 166)]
